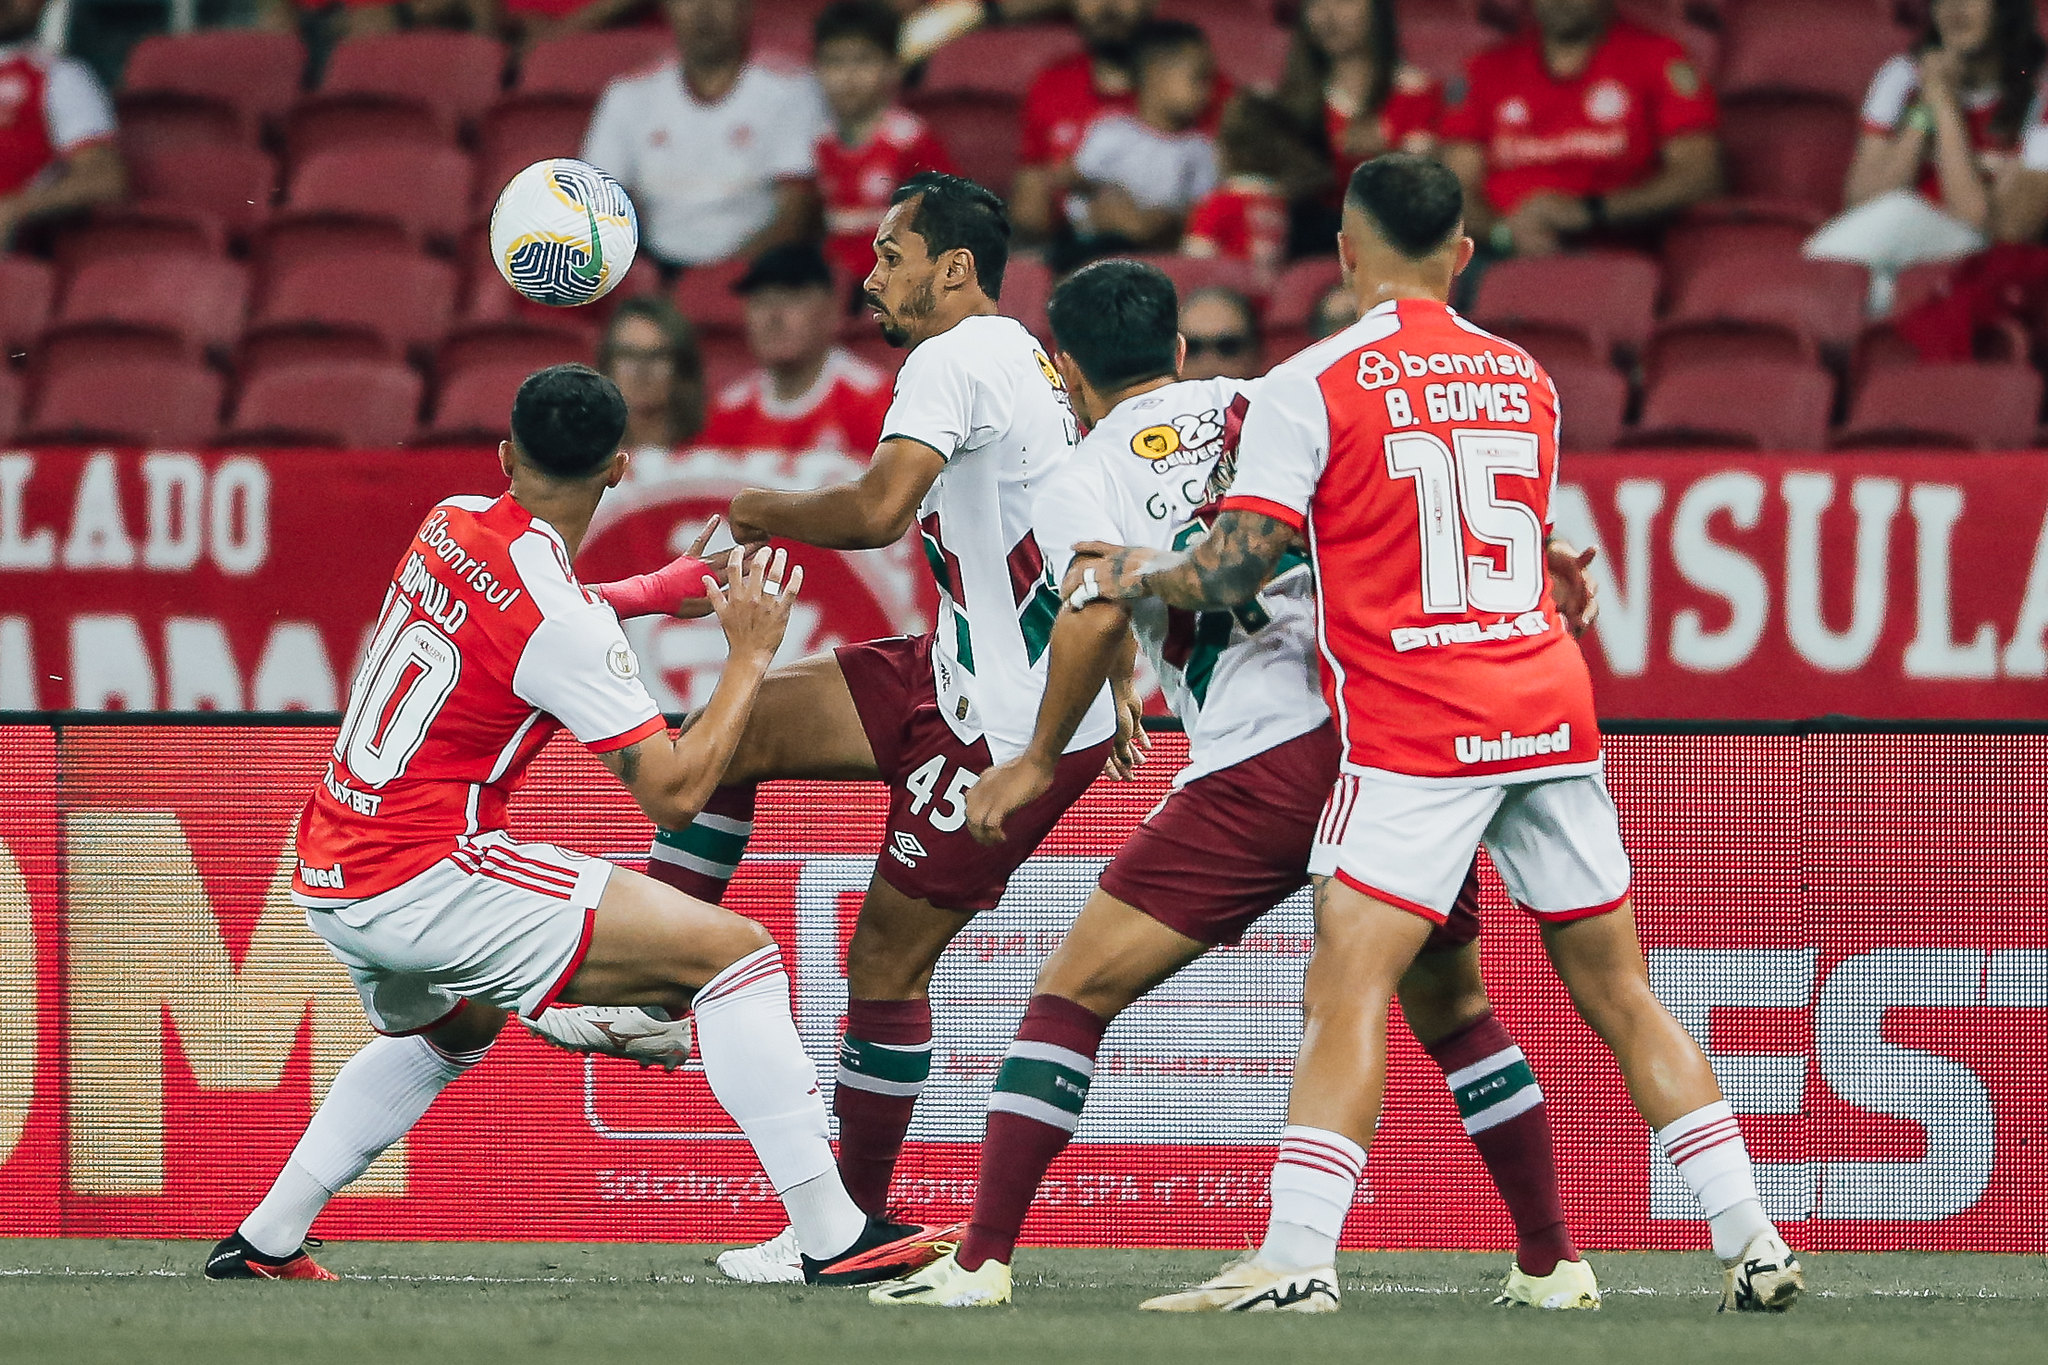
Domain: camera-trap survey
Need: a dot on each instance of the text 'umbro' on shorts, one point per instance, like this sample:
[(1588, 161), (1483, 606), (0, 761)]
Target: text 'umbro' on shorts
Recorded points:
[(927, 853), (1556, 843), (1220, 852), (497, 921)]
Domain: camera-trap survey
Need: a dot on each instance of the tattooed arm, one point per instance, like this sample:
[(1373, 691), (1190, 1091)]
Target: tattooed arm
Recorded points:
[(1228, 567)]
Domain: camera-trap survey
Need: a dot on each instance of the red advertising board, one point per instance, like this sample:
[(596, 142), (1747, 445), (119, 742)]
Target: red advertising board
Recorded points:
[(1855, 925)]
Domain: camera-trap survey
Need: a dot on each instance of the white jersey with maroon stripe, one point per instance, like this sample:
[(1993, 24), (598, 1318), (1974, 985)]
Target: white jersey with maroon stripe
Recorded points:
[(1149, 474), (486, 646), (984, 395)]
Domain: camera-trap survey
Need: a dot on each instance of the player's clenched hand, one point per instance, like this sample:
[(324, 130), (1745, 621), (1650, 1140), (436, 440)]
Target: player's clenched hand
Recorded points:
[(1001, 792), (1578, 599), (1105, 572), (754, 606), (1132, 745), (745, 529)]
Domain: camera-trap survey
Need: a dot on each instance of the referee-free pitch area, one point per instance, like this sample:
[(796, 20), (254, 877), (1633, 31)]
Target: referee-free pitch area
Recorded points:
[(73, 1302)]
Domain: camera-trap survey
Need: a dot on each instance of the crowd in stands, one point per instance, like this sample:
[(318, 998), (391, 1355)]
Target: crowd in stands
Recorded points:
[(1771, 223)]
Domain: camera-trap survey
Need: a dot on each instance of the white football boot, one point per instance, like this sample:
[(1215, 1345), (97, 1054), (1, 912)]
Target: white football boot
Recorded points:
[(1247, 1287), (779, 1260), (1765, 1278), (943, 1284), (644, 1036), (1571, 1285)]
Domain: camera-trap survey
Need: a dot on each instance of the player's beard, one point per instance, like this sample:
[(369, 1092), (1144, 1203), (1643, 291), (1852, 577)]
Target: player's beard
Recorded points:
[(920, 305)]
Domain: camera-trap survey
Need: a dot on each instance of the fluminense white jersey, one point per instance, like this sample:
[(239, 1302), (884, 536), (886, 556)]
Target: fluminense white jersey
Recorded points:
[(1242, 681), (985, 396)]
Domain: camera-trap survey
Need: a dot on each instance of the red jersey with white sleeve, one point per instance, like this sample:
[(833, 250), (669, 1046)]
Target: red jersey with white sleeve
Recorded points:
[(839, 415), (1417, 455), (1242, 219), (856, 182), (486, 646), (1594, 133), (50, 107), (1064, 99), (1894, 95), (1407, 119)]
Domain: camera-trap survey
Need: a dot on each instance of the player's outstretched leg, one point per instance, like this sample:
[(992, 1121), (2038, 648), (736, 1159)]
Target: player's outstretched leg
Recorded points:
[(1601, 963), (1112, 955)]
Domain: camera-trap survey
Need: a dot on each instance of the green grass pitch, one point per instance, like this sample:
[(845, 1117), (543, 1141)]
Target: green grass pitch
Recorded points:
[(74, 1302)]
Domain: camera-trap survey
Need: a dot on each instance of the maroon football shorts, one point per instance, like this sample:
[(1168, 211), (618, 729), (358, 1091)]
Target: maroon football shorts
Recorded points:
[(1230, 845), (927, 852)]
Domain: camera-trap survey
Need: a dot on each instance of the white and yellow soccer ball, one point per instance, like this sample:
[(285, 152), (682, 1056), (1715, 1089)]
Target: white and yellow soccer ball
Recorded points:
[(564, 233)]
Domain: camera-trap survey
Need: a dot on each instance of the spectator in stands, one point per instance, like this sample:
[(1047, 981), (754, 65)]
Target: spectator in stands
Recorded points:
[(1587, 123), (1136, 174), (650, 351), (718, 153), (1222, 335), (1335, 310), (1348, 91), (57, 149), (1954, 152), (810, 397), (1245, 218), (873, 144)]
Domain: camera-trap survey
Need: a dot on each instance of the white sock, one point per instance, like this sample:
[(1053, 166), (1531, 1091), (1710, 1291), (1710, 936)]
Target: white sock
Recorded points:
[(758, 1070), (376, 1098), (1707, 1148), (1314, 1181)]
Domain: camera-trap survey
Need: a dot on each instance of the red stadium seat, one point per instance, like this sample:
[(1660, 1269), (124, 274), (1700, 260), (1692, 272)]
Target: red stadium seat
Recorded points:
[(1820, 47), (10, 405), (1592, 401), (297, 237), (1825, 299), (152, 119), (705, 295), (1790, 150), (253, 71), (475, 405), (360, 404), (997, 61), (532, 344), (1701, 237), (1557, 344), (523, 130), (140, 230), (199, 298), (1610, 295), (980, 131), (1749, 404), (1981, 407), (1190, 273), (1723, 341), (133, 402), (283, 345), (358, 180), (69, 345), (458, 74), (407, 299), (327, 123), (234, 184), (1250, 45), (1301, 286), (27, 289), (1027, 288), (584, 63), (1443, 44)]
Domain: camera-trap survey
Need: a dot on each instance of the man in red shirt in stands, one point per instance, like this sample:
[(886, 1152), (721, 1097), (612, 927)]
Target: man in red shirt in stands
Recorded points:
[(1589, 121), (57, 152)]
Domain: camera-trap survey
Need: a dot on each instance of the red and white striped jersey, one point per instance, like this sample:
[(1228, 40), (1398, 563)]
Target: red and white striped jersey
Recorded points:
[(486, 646), (1418, 454)]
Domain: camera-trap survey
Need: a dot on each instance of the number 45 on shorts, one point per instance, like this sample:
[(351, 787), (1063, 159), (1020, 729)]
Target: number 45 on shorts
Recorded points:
[(951, 811)]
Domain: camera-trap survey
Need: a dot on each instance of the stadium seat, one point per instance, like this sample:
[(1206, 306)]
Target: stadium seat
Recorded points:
[(1027, 288), (1789, 150), (27, 289), (140, 230), (1592, 400), (152, 119), (1250, 47), (1301, 286), (254, 71), (69, 345), (1556, 344), (1824, 299), (360, 404), (10, 405), (475, 404), (1820, 47), (458, 74), (522, 130), (584, 64), (1748, 404), (1981, 407), (1190, 273), (980, 131), (1722, 341), (297, 237), (327, 123), (130, 402), (1443, 43), (535, 345), (283, 345), (1610, 295), (199, 298), (234, 184), (407, 299), (358, 180), (997, 61), (1701, 237), (704, 293)]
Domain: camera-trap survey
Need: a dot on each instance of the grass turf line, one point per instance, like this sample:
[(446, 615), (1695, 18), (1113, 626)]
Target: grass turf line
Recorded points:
[(75, 1303)]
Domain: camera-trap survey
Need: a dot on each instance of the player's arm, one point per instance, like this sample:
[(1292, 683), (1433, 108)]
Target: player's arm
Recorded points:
[(1226, 568), (1085, 649), (671, 779), (1576, 594), (674, 589), (872, 511)]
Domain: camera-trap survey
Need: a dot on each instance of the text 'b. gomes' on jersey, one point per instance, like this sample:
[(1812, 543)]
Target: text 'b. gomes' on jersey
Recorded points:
[(485, 647), (1418, 454)]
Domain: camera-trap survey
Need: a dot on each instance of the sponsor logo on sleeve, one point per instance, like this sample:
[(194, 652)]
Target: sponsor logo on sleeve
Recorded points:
[(622, 661)]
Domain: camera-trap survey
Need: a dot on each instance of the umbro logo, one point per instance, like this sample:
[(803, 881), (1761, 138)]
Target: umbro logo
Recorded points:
[(905, 848)]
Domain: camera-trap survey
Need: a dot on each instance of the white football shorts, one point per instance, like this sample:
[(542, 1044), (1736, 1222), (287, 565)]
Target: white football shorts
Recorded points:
[(1556, 843), (498, 921)]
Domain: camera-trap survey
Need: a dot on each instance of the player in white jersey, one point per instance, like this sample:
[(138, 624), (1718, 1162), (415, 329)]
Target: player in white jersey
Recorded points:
[(980, 420), (1233, 838)]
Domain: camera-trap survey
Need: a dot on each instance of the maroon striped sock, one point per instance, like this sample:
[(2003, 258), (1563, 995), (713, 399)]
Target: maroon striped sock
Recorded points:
[(1033, 1110), (699, 859), (883, 1062)]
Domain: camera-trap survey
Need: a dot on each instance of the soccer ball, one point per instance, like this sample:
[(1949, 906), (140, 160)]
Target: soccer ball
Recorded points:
[(563, 233)]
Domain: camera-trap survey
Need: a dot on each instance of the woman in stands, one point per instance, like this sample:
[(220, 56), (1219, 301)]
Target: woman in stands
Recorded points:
[(650, 351), (1954, 153)]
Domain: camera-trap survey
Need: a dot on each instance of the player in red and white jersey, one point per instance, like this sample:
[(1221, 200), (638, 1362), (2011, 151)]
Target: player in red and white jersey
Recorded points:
[(1415, 454), (57, 150), (486, 646)]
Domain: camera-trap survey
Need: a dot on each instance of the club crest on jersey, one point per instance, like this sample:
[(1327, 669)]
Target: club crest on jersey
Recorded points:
[(1188, 439)]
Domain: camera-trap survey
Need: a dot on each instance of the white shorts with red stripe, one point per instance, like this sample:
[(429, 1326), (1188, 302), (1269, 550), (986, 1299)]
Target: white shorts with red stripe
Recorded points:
[(498, 921), (1556, 843)]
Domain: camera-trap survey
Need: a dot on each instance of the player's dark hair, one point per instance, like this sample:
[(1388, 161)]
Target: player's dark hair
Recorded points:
[(954, 214), (1119, 320), (567, 420), (869, 20), (1416, 202), (1158, 38)]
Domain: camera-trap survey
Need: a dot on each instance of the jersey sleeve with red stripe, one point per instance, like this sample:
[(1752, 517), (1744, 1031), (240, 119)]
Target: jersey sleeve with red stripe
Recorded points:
[(486, 646), (1416, 454)]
